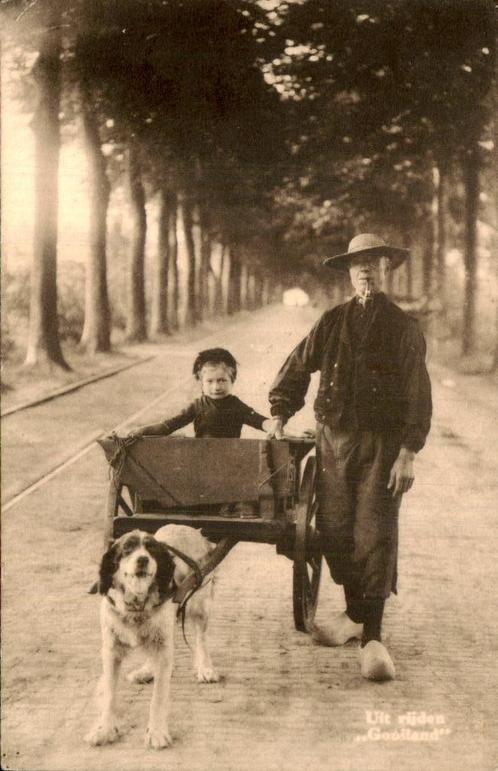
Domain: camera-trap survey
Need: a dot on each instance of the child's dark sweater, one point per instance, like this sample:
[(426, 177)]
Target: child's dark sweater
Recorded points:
[(217, 418)]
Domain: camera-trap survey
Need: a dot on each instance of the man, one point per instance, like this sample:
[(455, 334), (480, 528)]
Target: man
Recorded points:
[(373, 412)]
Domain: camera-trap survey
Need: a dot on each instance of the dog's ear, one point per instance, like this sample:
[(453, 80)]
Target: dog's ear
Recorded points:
[(165, 568), (107, 569)]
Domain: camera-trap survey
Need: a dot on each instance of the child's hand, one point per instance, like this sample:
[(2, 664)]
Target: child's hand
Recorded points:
[(308, 433), (274, 428)]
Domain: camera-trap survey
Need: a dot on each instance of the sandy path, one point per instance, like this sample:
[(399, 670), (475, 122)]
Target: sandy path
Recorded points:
[(284, 702)]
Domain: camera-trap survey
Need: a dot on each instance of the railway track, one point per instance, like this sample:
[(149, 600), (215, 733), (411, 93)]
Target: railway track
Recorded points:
[(82, 451), (27, 464), (71, 387)]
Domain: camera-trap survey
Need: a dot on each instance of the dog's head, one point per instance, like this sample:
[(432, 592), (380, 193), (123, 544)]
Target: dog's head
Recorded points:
[(134, 563)]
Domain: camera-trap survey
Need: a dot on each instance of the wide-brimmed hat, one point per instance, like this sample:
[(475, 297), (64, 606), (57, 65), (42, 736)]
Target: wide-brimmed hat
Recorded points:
[(368, 245)]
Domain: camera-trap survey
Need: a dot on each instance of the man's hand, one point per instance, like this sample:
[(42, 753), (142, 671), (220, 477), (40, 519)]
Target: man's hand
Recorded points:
[(133, 434), (274, 428), (402, 475)]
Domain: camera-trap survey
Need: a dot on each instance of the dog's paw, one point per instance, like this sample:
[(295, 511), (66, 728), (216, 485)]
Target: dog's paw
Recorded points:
[(157, 739), (141, 675), (103, 733), (207, 675)]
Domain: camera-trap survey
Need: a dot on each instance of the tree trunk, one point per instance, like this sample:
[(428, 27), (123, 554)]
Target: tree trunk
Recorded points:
[(427, 226), (218, 302), (244, 299), (494, 359), (174, 277), (136, 330), (249, 290), (258, 290), (471, 181), (234, 283), (205, 265), (96, 334), (159, 324), (43, 340), (494, 192), (440, 181), (188, 224), (390, 282), (266, 291)]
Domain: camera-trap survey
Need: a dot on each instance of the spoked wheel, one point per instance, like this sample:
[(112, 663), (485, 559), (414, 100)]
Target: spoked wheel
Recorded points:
[(307, 553)]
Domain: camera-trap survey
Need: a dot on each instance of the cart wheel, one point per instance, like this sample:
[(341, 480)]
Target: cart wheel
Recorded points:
[(307, 553)]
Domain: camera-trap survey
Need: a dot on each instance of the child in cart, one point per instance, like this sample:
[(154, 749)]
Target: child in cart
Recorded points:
[(217, 413)]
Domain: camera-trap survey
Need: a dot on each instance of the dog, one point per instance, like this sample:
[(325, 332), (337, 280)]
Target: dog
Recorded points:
[(137, 578)]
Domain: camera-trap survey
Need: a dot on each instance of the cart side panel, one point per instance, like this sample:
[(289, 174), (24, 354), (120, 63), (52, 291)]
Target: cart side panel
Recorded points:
[(179, 471), (283, 469), (192, 472)]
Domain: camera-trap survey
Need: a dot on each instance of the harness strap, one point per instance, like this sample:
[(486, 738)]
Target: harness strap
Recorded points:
[(183, 593), (189, 561), (190, 582)]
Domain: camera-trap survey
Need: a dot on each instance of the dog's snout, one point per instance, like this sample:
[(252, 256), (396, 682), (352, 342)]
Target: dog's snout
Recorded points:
[(142, 561)]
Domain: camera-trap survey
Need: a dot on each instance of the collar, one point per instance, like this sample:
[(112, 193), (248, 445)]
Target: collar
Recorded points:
[(198, 577), (217, 402), (376, 305), (132, 606)]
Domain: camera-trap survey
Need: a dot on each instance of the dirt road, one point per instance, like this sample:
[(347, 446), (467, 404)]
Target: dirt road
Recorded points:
[(284, 702)]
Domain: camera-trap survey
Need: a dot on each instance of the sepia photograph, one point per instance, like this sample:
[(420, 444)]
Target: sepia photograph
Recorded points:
[(249, 385)]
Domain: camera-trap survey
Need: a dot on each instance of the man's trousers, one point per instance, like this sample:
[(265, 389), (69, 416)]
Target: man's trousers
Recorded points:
[(357, 514)]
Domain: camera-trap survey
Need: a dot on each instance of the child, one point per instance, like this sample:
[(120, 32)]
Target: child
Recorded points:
[(216, 413)]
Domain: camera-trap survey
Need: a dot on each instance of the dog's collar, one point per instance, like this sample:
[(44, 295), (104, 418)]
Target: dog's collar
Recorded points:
[(173, 588), (131, 609)]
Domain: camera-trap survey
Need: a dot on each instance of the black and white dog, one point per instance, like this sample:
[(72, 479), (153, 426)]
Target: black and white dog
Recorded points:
[(138, 576)]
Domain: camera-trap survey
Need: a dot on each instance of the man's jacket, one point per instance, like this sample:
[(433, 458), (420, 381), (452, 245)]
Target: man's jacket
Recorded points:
[(385, 370)]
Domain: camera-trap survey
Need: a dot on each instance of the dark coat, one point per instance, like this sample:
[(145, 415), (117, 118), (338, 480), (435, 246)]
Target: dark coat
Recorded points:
[(386, 371)]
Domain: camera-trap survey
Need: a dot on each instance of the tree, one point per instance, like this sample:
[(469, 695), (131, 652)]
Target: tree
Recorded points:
[(380, 95), (173, 280), (165, 252), (136, 329), (96, 336), (43, 340)]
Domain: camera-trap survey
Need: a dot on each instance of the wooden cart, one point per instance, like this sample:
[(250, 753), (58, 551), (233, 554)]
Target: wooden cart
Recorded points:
[(157, 481)]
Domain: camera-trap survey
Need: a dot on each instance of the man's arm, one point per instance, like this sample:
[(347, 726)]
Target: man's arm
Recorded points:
[(415, 389), (291, 384), (416, 393)]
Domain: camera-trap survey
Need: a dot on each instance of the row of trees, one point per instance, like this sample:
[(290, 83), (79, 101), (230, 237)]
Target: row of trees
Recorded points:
[(266, 140), (170, 103), (396, 104)]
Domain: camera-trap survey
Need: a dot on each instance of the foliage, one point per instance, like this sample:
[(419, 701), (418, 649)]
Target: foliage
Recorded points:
[(287, 129), (7, 344), (379, 91), (70, 308)]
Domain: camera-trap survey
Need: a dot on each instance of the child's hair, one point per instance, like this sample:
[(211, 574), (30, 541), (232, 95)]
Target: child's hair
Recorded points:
[(214, 356)]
